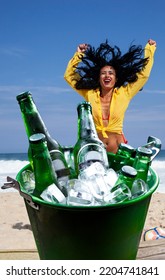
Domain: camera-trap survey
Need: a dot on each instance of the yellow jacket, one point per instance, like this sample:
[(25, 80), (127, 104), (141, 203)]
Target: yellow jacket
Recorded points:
[(121, 96)]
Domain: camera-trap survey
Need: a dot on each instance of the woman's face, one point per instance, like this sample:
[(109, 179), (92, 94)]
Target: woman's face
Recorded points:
[(107, 77)]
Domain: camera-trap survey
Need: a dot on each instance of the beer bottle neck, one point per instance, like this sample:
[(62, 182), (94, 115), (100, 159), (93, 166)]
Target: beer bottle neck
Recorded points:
[(33, 121), (143, 156), (42, 165), (86, 126)]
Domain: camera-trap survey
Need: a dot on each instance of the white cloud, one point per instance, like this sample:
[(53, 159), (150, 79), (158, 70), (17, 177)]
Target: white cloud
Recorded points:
[(154, 91), (43, 89), (14, 51), (152, 114)]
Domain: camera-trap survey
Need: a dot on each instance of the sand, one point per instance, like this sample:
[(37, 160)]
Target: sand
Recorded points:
[(15, 229)]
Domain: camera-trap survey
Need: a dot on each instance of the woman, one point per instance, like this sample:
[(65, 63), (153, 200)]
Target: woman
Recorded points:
[(109, 80)]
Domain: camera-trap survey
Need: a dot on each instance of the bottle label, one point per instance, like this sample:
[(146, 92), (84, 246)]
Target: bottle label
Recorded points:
[(90, 153), (56, 154), (58, 164)]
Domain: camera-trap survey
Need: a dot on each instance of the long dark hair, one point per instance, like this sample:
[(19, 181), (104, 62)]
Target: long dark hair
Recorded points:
[(126, 66)]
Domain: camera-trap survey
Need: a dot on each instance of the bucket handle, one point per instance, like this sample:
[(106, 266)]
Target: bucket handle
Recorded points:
[(12, 183)]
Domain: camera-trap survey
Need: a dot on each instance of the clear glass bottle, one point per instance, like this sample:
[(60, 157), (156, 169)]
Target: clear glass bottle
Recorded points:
[(34, 124), (89, 148), (44, 173), (142, 162)]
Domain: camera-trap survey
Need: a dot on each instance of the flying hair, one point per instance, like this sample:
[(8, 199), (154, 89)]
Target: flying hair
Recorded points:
[(127, 66)]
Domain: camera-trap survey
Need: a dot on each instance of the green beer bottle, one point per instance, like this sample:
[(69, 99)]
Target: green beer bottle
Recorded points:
[(154, 144), (127, 175), (124, 156), (34, 124), (88, 148), (44, 173), (142, 162), (125, 150), (69, 157)]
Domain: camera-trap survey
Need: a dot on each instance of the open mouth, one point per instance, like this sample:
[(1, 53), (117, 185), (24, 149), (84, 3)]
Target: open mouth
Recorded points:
[(107, 81)]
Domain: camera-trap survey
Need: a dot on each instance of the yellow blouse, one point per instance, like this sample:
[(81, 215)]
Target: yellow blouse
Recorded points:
[(121, 96)]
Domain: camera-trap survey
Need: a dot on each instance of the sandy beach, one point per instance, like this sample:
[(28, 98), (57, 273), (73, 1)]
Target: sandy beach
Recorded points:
[(15, 229)]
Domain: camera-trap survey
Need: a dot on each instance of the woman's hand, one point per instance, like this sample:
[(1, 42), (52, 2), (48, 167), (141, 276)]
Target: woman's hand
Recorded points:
[(82, 48), (152, 42)]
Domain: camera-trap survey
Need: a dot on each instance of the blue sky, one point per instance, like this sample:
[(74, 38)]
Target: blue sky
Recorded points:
[(37, 39)]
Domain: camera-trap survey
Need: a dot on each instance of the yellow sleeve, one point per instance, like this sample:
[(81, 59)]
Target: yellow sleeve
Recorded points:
[(71, 75), (133, 88)]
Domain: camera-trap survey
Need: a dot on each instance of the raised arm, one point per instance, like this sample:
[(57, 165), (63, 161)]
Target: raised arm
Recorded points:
[(70, 74), (152, 42), (82, 48), (143, 76)]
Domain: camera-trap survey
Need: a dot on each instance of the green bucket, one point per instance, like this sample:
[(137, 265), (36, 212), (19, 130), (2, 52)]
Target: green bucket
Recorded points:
[(110, 232)]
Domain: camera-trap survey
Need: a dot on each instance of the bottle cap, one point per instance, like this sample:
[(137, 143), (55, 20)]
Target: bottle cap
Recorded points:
[(126, 147), (37, 138), (23, 95), (144, 151), (129, 171), (84, 104)]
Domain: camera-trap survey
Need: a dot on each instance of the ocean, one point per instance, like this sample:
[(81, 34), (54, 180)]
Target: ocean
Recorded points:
[(11, 164)]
